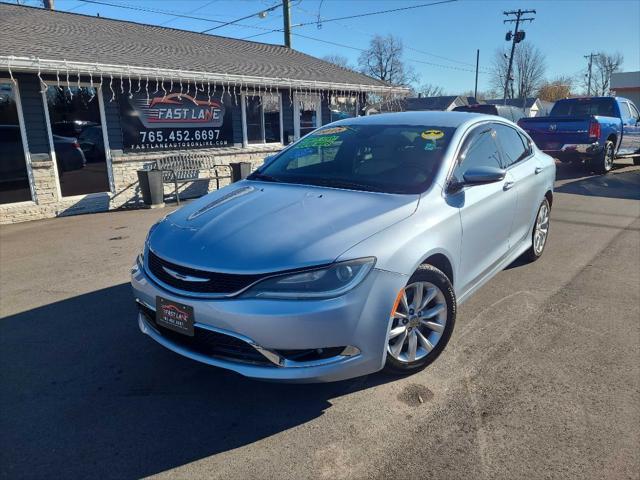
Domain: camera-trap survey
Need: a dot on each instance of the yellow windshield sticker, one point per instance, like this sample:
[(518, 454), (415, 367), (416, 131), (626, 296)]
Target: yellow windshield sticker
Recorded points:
[(329, 131), (432, 134)]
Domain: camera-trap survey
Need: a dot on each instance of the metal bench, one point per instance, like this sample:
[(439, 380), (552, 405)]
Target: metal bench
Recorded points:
[(183, 168)]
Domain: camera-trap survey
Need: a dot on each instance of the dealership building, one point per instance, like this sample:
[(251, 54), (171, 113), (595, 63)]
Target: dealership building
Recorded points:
[(86, 102)]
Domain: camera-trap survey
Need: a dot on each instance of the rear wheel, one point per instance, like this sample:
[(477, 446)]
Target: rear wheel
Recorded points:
[(540, 232), (603, 162), (421, 322), (636, 160)]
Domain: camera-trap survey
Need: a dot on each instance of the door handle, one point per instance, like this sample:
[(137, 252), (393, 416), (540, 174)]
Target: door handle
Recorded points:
[(538, 170), (508, 185)]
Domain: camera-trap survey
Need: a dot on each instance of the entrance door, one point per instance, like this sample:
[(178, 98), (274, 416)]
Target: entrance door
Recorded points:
[(14, 176), (307, 114), (78, 140)]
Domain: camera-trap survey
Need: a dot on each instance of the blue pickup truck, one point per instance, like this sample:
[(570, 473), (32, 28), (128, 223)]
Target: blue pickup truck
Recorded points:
[(595, 130)]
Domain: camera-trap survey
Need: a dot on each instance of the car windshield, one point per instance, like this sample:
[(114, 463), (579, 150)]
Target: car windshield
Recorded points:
[(584, 106), (377, 158)]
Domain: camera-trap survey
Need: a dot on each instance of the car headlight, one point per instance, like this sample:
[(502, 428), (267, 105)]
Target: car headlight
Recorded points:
[(326, 282)]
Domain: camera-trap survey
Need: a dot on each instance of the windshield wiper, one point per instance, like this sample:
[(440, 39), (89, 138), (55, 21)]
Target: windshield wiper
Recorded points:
[(263, 176), (336, 183)]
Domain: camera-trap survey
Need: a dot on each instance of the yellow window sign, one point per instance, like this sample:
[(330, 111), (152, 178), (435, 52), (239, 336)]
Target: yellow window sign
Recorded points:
[(432, 134)]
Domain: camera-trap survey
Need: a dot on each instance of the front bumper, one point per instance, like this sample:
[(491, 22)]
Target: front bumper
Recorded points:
[(357, 320)]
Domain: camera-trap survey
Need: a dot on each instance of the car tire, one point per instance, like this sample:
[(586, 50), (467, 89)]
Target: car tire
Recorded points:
[(603, 162), (636, 160), (421, 324), (542, 220)]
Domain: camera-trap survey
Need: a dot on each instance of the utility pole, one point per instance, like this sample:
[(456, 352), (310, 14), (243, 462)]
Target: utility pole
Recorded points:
[(516, 37), (590, 57), (286, 15), (475, 90), (48, 4)]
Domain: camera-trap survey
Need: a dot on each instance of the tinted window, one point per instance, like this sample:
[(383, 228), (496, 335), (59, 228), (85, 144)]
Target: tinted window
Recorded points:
[(14, 180), (512, 145), (488, 109), (383, 158), (482, 151), (75, 114), (584, 106), (625, 111)]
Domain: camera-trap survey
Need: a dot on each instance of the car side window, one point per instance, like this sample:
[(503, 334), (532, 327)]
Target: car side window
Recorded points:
[(513, 146), (481, 150), (528, 144), (625, 111), (634, 111)]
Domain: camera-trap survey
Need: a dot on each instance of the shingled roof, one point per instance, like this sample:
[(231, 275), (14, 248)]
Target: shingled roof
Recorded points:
[(44, 34)]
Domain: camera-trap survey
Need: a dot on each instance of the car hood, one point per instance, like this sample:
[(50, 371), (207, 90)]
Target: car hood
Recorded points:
[(257, 227)]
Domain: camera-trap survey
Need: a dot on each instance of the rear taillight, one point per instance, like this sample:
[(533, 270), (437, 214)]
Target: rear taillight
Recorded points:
[(75, 145), (594, 130)]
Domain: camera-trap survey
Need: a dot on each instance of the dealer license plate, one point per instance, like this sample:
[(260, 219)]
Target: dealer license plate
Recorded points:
[(174, 316)]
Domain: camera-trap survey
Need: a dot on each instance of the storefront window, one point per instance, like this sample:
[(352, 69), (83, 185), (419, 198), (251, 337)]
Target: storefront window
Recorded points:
[(14, 179), (308, 113), (78, 141), (262, 116), (343, 107)]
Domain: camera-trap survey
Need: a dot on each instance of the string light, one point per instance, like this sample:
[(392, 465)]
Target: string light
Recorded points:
[(113, 92), (43, 85)]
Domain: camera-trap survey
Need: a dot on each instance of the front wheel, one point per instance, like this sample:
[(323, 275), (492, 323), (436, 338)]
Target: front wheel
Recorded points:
[(603, 162), (421, 321)]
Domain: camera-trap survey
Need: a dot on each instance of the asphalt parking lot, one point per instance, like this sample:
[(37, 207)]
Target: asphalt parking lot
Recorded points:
[(541, 378)]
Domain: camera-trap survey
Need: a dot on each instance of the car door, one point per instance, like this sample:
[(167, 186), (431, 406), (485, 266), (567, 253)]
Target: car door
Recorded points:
[(486, 211), (524, 169), (630, 128)]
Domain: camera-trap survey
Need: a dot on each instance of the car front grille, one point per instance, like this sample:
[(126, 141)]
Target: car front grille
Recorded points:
[(210, 343), (215, 283)]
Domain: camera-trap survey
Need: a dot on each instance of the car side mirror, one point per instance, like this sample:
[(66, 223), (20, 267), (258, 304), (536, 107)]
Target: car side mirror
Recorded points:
[(483, 175)]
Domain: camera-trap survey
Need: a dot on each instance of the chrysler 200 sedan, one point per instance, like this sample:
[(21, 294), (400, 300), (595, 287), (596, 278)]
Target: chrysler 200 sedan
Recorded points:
[(349, 251)]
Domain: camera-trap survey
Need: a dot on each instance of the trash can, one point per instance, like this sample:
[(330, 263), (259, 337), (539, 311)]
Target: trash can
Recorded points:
[(240, 170), (151, 187)]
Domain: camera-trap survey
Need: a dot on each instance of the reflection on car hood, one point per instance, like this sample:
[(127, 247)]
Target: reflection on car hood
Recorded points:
[(256, 227)]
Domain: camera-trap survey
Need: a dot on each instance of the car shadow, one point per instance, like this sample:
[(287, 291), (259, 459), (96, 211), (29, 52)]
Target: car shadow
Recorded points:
[(619, 183), (85, 394)]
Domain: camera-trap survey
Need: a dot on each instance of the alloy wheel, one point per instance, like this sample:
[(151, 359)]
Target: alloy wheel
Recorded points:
[(541, 229), (608, 157), (417, 322)]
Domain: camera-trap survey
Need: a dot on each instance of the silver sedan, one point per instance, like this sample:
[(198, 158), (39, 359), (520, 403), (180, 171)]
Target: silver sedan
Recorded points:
[(349, 251)]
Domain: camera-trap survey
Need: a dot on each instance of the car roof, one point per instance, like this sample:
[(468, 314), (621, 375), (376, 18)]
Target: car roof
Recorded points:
[(430, 118)]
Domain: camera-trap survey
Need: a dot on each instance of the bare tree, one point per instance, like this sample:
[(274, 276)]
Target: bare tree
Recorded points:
[(552, 90), (527, 74), (339, 60), (429, 90), (383, 60), (603, 66)]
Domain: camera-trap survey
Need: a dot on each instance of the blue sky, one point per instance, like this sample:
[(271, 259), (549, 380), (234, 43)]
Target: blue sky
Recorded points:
[(564, 30)]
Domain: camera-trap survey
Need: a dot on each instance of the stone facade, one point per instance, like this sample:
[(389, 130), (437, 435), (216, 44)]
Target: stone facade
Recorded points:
[(125, 192)]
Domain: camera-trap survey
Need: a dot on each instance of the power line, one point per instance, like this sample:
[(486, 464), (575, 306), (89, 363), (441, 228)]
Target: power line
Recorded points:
[(319, 21), (161, 12), (380, 12), (360, 15), (190, 11), (269, 9), (364, 50)]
